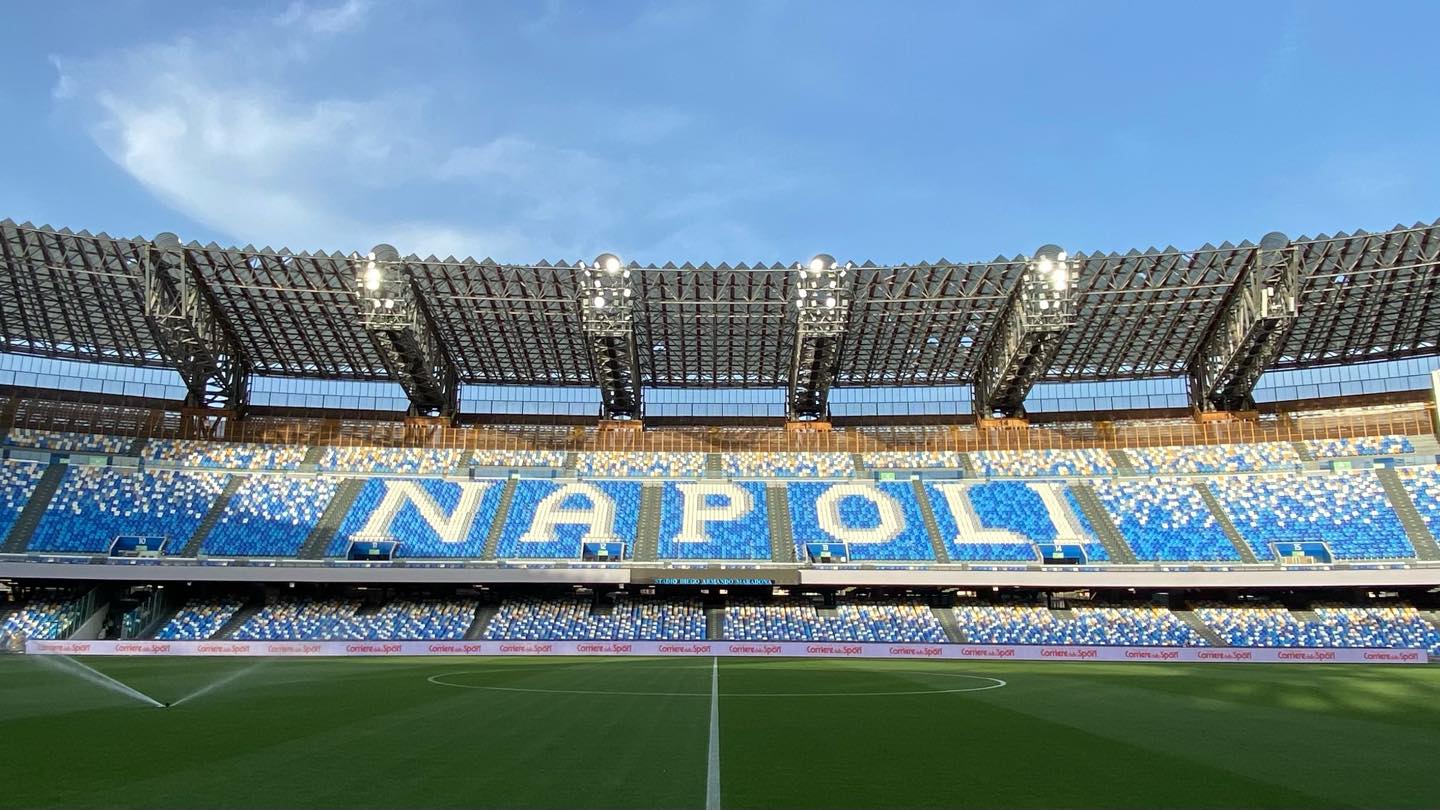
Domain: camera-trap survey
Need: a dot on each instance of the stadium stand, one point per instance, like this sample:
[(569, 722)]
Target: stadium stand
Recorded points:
[(787, 465), (800, 620), (1215, 458), (1042, 463), (540, 619), (1016, 508), (269, 516), (914, 460), (518, 458), (298, 618), (17, 483), (1270, 625), (746, 536), (95, 504), (389, 460), (1349, 511), (409, 619), (1164, 520), (226, 455), (325, 619), (879, 521), (639, 465), (431, 517), (1028, 624), (548, 519), (67, 442), (1361, 446), (41, 619), (200, 618), (1423, 485)]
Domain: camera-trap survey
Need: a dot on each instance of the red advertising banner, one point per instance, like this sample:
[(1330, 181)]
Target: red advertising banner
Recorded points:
[(778, 649)]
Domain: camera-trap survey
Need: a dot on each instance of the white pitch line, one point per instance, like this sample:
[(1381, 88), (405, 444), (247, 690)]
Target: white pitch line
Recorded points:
[(712, 774)]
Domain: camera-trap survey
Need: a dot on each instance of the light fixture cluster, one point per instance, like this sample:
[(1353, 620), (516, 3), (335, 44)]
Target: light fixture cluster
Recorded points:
[(382, 289), (1047, 284), (822, 291), (606, 292)]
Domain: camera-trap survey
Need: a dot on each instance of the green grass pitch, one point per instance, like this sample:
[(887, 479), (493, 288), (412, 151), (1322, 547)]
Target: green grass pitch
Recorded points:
[(792, 733)]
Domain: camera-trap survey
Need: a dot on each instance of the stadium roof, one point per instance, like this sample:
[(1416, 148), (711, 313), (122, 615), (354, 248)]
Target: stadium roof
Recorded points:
[(1364, 296)]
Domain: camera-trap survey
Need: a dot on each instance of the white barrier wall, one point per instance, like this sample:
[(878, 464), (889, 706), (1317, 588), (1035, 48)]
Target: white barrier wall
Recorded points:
[(785, 649)]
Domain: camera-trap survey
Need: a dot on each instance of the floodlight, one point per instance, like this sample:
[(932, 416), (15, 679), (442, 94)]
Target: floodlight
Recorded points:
[(599, 302)]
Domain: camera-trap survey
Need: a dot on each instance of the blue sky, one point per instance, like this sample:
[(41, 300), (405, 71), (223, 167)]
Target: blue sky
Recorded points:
[(720, 130)]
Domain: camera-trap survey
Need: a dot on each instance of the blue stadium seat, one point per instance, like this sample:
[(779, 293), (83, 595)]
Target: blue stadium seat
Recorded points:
[(745, 538), (390, 460), (1349, 511), (605, 464), (269, 516), (1042, 463), (800, 620), (430, 517), (200, 618), (529, 509), (1215, 458), (858, 511), (787, 465), (1016, 508), (96, 504), (226, 455), (572, 619), (1106, 626), (1164, 520)]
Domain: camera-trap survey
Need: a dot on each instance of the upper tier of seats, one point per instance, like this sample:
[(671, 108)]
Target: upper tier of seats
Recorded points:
[(1423, 484), (1025, 624), (94, 505), (17, 484), (231, 455), (879, 521), (915, 460), (548, 519), (518, 458), (1361, 446), (1042, 463), (406, 460), (1215, 458), (67, 442), (1164, 520), (431, 517), (801, 620), (1002, 520), (787, 465), (269, 515), (200, 618), (639, 465), (727, 520), (1349, 511), (627, 619)]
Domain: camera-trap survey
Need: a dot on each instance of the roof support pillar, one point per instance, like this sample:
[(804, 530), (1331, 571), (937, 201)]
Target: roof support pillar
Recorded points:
[(1244, 337), (185, 320), (395, 315), (1034, 318), (607, 317), (824, 290)]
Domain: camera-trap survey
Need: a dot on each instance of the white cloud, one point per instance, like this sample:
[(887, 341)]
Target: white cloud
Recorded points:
[(347, 16), (219, 130)]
